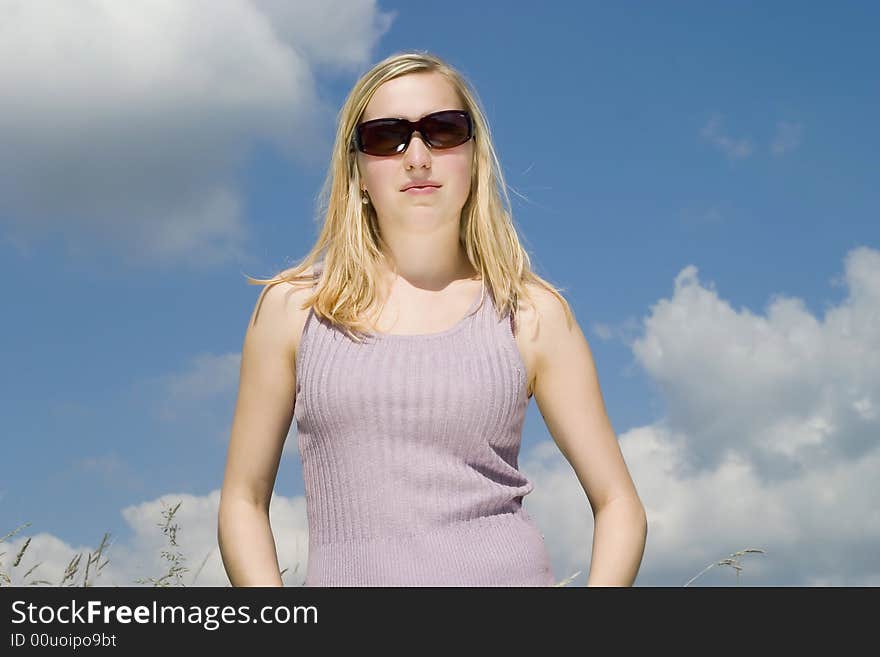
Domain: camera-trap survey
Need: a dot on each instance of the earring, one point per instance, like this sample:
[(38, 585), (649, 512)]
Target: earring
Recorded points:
[(364, 198)]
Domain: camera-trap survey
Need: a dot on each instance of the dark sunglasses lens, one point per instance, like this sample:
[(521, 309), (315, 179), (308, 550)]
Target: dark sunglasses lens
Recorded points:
[(447, 129), (442, 130), (383, 137)]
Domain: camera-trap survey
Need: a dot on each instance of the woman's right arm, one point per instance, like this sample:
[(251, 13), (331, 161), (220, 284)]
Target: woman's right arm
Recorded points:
[(262, 418)]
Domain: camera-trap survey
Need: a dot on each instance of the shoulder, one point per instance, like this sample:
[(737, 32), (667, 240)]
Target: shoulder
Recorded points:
[(543, 321), (279, 313), (542, 309)]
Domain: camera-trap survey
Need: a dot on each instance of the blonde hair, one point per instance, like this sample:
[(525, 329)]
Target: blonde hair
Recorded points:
[(349, 241)]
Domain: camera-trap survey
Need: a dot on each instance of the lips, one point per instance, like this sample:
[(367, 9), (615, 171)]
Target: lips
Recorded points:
[(418, 185)]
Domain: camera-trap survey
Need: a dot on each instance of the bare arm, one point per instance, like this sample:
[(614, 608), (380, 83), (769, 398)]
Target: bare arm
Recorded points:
[(619, 534), (263, 414), (570, 400)]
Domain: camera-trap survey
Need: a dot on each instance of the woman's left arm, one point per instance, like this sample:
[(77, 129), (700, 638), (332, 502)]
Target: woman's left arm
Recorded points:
[(568, 395)]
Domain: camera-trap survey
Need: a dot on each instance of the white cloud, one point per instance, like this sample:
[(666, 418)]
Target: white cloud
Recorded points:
[(783, 384), (338, 34), (769, 441), (788, 137), (733, 148), (124, 123)]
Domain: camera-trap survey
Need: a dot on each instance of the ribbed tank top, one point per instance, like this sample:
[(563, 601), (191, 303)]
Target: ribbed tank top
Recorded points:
[(409, 448)]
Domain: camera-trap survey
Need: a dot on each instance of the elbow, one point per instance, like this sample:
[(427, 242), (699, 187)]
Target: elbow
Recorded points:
[(227, 512)]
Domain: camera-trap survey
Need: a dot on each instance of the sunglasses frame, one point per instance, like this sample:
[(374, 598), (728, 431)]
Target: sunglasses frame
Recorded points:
[(411, 126)]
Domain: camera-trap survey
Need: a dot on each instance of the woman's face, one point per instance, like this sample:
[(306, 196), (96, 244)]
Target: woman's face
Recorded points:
[(412, 96)]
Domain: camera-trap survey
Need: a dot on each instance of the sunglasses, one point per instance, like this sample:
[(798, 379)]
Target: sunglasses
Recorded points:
[(444, 129)]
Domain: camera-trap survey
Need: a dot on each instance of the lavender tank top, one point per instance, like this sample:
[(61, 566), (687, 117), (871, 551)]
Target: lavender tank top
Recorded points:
[(409, 447)]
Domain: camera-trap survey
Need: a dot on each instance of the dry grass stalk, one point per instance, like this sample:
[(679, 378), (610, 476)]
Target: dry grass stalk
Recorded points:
[(175, 558), (732, 561)]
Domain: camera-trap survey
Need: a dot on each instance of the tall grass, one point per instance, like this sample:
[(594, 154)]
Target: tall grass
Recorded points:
[(176, 561)]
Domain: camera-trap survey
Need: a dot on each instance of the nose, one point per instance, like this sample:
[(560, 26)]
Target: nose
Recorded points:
[(417, 152)]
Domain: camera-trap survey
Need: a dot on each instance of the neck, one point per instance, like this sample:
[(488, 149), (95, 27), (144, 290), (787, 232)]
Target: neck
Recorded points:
[(427, 269)]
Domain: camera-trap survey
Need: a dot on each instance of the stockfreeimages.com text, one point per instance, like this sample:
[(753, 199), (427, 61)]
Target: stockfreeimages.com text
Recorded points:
[(211, 616)]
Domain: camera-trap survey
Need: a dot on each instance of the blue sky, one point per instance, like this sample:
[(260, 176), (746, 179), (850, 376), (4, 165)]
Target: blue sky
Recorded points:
[(699, 179)]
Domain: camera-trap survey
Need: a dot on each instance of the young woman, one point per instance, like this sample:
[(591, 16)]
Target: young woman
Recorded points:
[(407, 345)]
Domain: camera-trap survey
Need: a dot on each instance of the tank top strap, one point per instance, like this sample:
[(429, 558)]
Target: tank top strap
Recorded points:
[(502, 332), (304, 338)]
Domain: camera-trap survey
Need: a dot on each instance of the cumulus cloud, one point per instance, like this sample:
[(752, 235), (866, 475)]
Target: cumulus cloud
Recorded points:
[(124, 123), (336, 34), (770, 439)]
